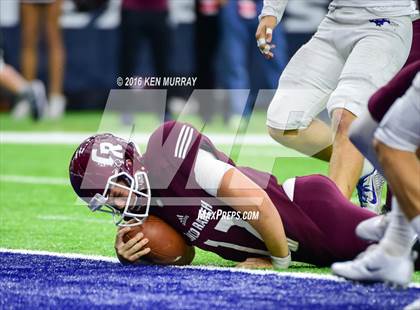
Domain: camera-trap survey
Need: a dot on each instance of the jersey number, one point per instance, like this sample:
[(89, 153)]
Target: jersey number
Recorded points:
[(109, 150)]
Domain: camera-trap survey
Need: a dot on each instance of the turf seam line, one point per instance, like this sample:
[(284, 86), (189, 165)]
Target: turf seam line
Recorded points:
[(303, 275)]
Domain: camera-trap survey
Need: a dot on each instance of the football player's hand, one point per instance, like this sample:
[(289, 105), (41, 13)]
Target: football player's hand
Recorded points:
[(264, 35), (254, 263), (131, 251)]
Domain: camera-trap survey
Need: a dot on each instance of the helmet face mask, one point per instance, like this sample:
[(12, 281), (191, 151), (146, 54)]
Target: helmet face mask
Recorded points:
[(137, 202)]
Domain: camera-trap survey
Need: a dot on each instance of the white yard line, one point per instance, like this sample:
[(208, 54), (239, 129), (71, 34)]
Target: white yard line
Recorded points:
[(34, 180), (74, 138), (64, 255), (303, 275), (65, 218)]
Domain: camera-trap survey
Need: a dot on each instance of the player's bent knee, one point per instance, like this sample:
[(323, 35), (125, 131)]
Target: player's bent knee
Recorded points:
[(285, 137), (274, 133), (283, 117)]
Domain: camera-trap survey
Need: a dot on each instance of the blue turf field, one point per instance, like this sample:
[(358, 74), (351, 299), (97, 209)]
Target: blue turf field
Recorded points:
[(40, 281)]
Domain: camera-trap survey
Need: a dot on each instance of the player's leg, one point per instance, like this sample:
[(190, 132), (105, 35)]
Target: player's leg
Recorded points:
[(333, 214), (29, 39), (56, 58), (345, 154), (399, 138), (397, 142), (362, 129), (388, 153), (346, 161), (304, 87), (374, 60)]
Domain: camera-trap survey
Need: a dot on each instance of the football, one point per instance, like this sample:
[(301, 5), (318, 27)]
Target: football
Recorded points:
[(167, 246)]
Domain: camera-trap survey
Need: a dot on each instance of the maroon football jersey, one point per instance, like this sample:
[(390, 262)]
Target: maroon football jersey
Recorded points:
[(320, 232)]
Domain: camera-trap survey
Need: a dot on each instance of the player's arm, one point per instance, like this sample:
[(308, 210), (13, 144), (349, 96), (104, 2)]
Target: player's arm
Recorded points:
[(238, 191), (270, 16), (242, 194)]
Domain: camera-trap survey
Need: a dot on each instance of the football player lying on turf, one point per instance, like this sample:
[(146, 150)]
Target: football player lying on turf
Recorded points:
[(182, 176)]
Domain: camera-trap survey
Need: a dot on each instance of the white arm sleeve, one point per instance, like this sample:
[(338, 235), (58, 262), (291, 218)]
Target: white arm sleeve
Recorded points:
[(274, 8), (209, 171)]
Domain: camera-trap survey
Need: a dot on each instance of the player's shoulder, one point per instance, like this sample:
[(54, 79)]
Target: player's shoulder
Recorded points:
[(173, 135), (172, 139)]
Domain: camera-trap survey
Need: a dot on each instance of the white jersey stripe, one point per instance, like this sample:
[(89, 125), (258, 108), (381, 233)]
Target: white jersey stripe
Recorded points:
[(289, 188), (184, 139), (179, 139), (187, 145)]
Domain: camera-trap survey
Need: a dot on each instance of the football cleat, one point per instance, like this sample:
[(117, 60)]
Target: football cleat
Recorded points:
[(376, 265), (369, 191), (373, 229)]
